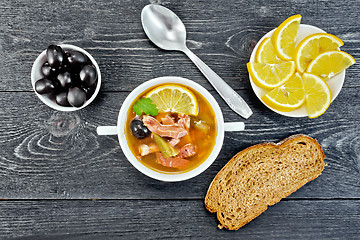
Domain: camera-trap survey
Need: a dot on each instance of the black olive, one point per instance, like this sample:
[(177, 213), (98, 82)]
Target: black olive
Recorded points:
[(76, 96), (55, 56), (61, 99), (138, 128), (66, 67), (56, 84), (88, 75), (44, 85), (89, 91), (76, 80), (76, 59), (65, 79), (47, 70)]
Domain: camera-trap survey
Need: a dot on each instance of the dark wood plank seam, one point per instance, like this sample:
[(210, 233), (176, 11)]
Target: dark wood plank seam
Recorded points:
[(124, 91), (166, 200)]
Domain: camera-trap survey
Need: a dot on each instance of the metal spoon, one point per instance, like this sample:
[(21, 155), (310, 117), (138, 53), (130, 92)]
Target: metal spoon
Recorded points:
[(165, 29)]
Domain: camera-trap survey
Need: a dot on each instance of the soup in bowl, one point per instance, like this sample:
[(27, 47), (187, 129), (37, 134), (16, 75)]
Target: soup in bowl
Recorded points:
[(178, 136), (170, 128)]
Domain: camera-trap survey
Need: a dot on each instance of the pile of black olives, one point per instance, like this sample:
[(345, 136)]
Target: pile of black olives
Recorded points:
[(69, 77)]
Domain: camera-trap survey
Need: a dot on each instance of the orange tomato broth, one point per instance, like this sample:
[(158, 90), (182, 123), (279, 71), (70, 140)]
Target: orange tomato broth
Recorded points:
[(204, 143)]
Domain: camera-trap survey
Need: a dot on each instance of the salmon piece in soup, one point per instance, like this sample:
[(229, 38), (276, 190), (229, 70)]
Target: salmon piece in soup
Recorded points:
[(167, 120), (172, 131), (173, 162)]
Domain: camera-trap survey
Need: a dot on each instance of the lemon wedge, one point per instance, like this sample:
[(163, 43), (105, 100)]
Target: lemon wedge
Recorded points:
[(174, 98), (331, 63), (287, 97), (284, 37), (311, 46), (271, 75), (266, 53), (318, 95)]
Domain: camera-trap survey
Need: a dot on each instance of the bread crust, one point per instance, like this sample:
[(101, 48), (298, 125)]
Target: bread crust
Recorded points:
[(211, 195)]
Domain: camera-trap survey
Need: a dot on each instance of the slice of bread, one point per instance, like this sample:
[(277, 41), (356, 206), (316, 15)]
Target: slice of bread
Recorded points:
[(261, 176)]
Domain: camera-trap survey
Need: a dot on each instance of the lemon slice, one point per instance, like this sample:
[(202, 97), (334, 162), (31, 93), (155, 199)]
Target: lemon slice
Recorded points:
[(284, 37), (271, 75), (329, 64), (174, 98), (266, 53), (287, 97), (318, 95), (310, 47)]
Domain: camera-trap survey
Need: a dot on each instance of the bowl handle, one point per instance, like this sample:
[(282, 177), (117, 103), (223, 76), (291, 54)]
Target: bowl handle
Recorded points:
[(234, 126), (106, 130)]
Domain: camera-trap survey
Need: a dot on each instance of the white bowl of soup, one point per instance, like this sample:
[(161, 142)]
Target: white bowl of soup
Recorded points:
[(170, 128)]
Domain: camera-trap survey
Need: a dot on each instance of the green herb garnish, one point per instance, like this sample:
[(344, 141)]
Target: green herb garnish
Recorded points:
[(145, 105)]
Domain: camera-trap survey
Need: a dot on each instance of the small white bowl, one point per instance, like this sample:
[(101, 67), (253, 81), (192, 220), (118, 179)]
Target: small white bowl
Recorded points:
[(36, 75), (335, 83)]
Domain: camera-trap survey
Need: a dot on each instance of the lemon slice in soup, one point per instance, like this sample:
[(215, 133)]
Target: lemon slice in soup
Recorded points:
[(174, 98)]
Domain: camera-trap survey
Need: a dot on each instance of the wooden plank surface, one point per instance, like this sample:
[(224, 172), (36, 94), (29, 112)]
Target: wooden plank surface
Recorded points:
[(147, 219), (222, 33), (51, 162), (48, 154)]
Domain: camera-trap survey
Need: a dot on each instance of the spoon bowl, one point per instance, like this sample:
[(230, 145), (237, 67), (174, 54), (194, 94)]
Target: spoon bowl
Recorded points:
[(165, 29)]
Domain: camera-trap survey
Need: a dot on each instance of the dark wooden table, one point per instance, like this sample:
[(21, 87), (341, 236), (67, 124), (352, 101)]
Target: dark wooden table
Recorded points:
[(59, 180)]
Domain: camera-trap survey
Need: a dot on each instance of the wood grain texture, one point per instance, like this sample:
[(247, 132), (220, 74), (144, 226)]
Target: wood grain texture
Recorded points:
[(221, 33), (51, 161), (50, 155), (146, 219)]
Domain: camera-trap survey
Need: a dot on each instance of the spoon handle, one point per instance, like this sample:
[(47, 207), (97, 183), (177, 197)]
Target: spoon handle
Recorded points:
[(234, 100)]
